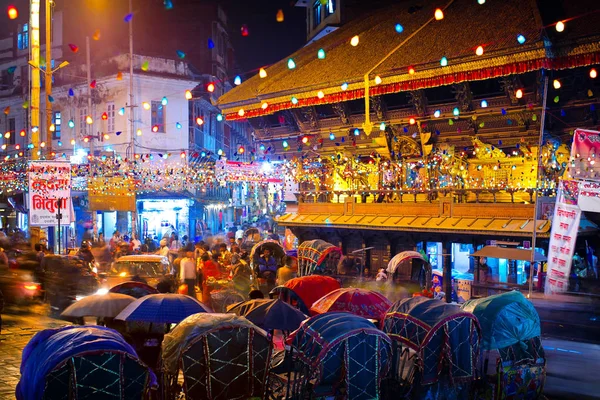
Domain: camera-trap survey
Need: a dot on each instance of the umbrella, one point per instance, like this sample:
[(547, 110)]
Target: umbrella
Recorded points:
[(132, 288), (99, 305), (269, 314), (162, 309), (361, 302)]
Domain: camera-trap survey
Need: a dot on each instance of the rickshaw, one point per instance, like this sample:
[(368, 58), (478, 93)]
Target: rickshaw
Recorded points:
[(435, 352), (340, 355), (222, 357), (76, 362), (410, 267), (251, 237), (304, 291), (510, 329), (318, 257), (266, 274)]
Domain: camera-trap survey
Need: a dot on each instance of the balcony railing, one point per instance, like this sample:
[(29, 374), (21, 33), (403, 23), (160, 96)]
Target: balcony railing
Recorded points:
[(513, 195)]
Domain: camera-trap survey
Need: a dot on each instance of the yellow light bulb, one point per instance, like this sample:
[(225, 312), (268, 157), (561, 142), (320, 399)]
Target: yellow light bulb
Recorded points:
[(593, 73), (72, 142), (241, 112), (188, 95), (89, 120), (106, 136), (479, 50), (439, 14), (262, 73), (146, 105), (264, 105), (52, 127), (560, 26), (377, 80), (556, 84), (354, 41), (519, 93), (320, 94), (139, 132)]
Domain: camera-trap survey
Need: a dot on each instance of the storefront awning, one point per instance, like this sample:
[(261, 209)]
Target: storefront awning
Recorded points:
[(516, 227), (508, 253)]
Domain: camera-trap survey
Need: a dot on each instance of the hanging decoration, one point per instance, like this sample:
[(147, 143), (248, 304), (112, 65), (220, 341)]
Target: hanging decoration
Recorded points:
[(279, 17)]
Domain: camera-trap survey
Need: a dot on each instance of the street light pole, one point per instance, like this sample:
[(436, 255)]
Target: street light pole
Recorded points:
[(48, 75), (131, 113)]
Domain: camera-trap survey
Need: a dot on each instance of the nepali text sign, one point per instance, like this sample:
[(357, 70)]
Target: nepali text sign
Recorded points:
[(565, 225), (49, 191), (589, 196), (585, 155)]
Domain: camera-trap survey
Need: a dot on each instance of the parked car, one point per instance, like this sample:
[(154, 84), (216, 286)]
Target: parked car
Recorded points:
[(67, 279), (150, 268)]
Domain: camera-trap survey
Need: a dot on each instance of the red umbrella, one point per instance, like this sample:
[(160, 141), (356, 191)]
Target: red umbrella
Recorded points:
[(361, 302), (312, 287)]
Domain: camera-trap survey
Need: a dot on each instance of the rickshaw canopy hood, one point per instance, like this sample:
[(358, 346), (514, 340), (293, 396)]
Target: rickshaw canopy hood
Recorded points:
[(273, 245), (440, 333), (312, 253), (505, 319), (311, 288), (195, 326), (401, 257), (50, 347)]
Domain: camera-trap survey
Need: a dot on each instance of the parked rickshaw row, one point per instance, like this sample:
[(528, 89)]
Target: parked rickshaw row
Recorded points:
[(311, 339)]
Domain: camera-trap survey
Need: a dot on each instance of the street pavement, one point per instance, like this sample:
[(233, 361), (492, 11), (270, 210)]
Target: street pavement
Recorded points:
[(572, 365)]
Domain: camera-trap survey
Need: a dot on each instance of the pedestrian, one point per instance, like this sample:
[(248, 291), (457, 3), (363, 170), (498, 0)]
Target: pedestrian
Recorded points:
[(210, 270), (164, 249), (239, 234), (286, 272), (188, 272), (381, 275)]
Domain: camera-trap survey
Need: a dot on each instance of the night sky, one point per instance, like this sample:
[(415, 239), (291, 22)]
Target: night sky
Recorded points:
[(268, 41)]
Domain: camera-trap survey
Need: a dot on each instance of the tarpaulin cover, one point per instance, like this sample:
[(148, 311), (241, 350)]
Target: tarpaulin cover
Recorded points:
[(195, 326), (344, 348), (506, 319), (50, 347), (311, 288), (311, 255), (269, 314), (362, 302), (439, 332)]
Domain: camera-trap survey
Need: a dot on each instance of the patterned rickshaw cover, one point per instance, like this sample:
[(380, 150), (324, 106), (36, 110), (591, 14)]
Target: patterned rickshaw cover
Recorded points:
[(51, 347), (341, 348), (440, 333), (223, 356), (311, 288), (311, 255)]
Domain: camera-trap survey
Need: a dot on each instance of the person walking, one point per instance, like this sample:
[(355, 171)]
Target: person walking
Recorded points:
[(188, 272)]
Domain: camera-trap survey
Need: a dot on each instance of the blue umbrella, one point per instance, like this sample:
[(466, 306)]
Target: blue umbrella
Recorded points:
[(162, 309)]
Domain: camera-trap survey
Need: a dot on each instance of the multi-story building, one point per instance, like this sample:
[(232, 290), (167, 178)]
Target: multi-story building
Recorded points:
[(159, 127)]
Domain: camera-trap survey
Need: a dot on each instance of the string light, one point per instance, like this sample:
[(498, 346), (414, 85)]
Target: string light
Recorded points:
[(593, 73), (320, 94), (331, 136), (106, 136), (72, 142), (439, 14), (519, 93), (291, 63), (237, 80), (412, 121), (241, 112), (354, 41), (382, 126), (262, 73), (556, 84), (264, 105), (89, 120), (560, 26), (377, 80), (399, 28), (411, 70), (484, 103), (305, 139), (154, 129), (521, 39), (479, 50), (321, 54), (139, 132), (178, 125), (122, 111), (188, 95), (444, 62), (294, 100), (199, 121), (437, 113), (219, 117), (146, 105), (456, 111), (344, 86)]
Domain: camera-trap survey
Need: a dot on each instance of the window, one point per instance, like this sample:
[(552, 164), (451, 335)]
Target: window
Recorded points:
[(316, 13), (110, 122), (7, 79), (23, 37), (82, 123), (330, 9), (11, 129), (57, 125), (159, 113)]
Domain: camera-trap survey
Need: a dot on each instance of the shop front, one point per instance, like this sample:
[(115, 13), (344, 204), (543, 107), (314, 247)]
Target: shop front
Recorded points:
[(161, 217)]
